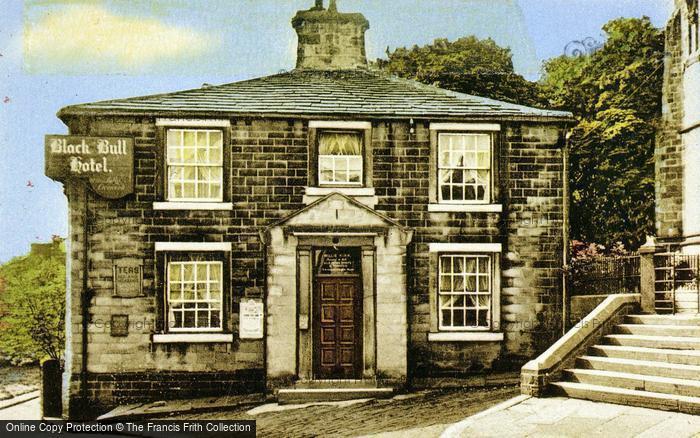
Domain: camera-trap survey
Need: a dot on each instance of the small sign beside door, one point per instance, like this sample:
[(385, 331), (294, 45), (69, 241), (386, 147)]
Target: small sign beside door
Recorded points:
[(251, 320)]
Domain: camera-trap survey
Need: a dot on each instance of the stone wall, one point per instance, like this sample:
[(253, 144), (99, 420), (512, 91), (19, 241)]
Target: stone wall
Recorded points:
[(530, 229), (669, 144), (267, 168)]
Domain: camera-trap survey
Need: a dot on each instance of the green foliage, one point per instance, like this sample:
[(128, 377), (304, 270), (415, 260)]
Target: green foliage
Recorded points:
[(467, 65), (32, 303), (615, 93)]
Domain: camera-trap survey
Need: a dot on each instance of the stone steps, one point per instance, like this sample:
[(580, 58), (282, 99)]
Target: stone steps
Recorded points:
[(640, 382), (649, 360), (673, 330), (335, 384), (630, 397), (666, 342), (310, 395), (686, 357), (663, 320), (649, 368)]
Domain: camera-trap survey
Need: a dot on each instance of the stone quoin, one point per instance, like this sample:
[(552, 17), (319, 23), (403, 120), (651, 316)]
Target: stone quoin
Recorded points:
[(381, 230)]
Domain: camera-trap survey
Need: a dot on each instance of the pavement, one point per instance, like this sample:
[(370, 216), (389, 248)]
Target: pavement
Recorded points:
[(442, 414), (524, 416), (27, 410)]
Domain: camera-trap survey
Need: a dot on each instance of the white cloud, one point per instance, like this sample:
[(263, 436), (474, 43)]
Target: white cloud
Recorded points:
[(91, 39)]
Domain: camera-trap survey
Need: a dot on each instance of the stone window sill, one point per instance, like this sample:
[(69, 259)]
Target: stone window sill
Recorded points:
[(465, 337), (193, 206), (347, 191), (468, 208), (192, 338)]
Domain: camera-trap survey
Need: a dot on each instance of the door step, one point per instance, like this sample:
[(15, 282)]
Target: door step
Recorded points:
[(335, 384), (630, 397), (309, 395)]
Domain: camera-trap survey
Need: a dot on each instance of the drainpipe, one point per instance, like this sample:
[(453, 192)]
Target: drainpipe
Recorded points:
[(85, 304), (263, 247), (565, 227)]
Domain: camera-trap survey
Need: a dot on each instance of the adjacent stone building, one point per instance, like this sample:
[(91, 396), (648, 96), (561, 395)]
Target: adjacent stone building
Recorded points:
[(678, 145), (384, 229)]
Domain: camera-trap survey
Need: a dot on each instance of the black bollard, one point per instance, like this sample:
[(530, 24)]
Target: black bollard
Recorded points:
[(51, 389)]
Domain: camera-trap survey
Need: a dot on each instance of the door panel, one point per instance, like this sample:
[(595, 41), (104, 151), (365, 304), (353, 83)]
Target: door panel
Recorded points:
[(337, 338)]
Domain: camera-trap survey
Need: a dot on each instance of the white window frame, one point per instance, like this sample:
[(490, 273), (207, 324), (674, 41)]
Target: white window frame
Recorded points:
[(335, 158), (439, 168), (480, 258), (221, 301), (220, 164), (489, 333)]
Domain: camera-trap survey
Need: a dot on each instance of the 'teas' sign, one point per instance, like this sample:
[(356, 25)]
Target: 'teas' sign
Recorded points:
[(106, 162)]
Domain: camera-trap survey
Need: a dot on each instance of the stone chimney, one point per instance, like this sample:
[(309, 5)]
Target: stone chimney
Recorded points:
[(330, 40)]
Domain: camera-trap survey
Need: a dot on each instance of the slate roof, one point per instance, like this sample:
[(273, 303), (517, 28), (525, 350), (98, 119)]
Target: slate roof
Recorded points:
[(312, 93)]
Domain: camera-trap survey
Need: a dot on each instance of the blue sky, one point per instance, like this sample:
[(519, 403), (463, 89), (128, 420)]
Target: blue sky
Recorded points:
[(59, 52)]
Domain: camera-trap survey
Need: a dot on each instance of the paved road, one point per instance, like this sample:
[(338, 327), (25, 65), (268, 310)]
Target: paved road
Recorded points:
[(420, 415), (29, 410)]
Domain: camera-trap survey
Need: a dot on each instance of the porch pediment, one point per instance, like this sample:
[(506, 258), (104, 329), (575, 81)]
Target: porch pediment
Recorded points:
[(336, 211)]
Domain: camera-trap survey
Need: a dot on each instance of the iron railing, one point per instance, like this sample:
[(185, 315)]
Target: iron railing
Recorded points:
[(604, 275), (677, 283)]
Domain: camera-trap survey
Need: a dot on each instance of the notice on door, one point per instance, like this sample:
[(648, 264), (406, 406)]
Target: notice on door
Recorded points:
[(251, 320)]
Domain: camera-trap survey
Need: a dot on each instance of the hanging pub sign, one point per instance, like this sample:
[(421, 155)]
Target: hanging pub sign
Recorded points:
[(106, 162)]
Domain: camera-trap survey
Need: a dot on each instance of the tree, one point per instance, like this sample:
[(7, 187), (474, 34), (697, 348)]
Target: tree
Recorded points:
[(467, 65), (33, 304), (615, 93)]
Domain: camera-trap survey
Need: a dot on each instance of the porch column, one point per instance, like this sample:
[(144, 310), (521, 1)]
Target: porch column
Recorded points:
[(368, 319), (305, 289)]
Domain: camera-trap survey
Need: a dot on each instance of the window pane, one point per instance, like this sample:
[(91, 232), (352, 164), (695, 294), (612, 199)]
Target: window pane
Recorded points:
[(469, 193), (189, 138), (447, 318), (471, 318), (458, 318), (174, 137), (483, 319), (175, 155), (202, 139), (216, 139)]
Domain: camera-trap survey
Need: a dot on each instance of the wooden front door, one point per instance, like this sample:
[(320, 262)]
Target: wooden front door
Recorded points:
[(338, 320)]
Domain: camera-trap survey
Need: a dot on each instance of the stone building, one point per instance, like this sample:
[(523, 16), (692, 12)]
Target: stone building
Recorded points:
[(385, 229), (678, 145)]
